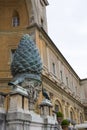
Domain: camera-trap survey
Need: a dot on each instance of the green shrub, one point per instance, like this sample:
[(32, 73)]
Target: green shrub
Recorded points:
[(59, 114), (65, 122)]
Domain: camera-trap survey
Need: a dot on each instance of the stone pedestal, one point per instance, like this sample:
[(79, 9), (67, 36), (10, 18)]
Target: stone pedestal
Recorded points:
[(2, 112), (18, 121), (46, 107), (18, 117), (18, 100), (41, 123)]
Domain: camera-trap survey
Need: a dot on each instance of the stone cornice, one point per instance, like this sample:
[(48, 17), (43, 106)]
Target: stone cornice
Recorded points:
[(62, 91)]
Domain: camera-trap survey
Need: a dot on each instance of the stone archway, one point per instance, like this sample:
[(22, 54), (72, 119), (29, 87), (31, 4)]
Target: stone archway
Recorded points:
[(57, 105), (72, 113)]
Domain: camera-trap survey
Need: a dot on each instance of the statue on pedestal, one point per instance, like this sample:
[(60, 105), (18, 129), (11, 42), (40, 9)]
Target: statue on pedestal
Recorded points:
[(26, 68)]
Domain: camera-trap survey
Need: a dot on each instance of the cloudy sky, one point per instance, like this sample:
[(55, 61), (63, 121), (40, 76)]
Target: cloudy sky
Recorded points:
[(67, 27)]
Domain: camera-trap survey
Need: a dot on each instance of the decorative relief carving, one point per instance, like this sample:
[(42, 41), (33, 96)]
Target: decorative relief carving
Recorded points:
[(33, 88)]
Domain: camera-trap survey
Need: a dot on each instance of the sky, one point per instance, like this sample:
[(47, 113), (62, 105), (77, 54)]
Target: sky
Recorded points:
[(67, 27)]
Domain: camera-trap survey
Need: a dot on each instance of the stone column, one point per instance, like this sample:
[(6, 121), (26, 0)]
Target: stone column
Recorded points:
[(67, 109), (63, 104)]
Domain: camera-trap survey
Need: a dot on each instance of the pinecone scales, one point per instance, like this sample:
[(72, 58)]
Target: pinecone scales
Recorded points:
[(26, 60)]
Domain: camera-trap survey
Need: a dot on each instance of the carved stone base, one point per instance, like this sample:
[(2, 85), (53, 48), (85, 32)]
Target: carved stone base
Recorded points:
[(33, 88), (2, 121)]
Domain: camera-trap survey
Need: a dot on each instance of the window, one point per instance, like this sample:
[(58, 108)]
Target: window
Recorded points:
[(53, 67), (75, 89), (67, 81), (71, 115), (15, 19), (56, 108), (61, 75), (12, 54), (42, 23)]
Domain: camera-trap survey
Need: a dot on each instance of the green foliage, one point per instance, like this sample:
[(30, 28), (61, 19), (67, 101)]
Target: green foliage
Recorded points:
[(65, 122), (59, 114)]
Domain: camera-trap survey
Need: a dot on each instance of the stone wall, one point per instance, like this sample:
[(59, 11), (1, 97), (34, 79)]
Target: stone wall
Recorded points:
[(18, 117)]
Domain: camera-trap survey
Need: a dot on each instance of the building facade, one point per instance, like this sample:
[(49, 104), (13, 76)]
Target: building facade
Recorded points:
[(67, 91)]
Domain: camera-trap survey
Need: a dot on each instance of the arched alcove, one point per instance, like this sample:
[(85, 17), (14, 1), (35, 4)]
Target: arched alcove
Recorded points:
[(72, 114), (57, 106)]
